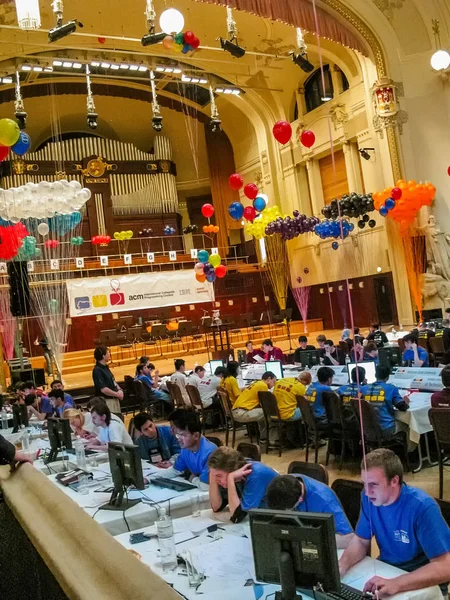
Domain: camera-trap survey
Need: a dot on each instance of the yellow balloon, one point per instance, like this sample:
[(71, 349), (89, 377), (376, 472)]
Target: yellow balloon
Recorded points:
[(116, 235), (215, 260), (129, 233), (9, 132)]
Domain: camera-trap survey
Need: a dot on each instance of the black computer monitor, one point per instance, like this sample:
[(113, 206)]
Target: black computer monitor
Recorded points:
[(37, 376), (20, 417), (390, 357), (59, 435), (126, 469), (242, 357), (296, 550), (310, 358)]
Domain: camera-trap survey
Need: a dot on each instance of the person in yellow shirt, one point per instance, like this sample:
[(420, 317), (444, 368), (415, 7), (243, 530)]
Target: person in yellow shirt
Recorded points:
[(246, 409), (285, 392), (230, 383)]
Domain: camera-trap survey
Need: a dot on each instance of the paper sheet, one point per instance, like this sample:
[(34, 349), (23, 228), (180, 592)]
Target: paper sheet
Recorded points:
[(227, 558)]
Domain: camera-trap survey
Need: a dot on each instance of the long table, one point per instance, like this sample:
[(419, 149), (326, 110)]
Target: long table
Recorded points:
[(227, 561)]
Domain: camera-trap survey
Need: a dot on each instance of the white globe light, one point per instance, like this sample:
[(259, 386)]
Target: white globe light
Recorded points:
[(171, 21), (440, 60)]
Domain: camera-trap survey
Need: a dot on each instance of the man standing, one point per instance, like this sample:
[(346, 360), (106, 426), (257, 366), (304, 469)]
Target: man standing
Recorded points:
[(408, 527), (156, 443), (377, 336), (104, 382)]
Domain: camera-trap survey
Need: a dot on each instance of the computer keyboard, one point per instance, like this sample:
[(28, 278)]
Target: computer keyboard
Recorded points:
[(348, 593), (178, 486)]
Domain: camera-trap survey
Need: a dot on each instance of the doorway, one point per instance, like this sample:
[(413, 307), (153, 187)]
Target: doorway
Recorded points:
[(384, 295)]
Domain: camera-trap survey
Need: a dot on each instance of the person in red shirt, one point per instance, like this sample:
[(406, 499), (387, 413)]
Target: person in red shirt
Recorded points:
[(442, 399), (251, 353), (271, 352)]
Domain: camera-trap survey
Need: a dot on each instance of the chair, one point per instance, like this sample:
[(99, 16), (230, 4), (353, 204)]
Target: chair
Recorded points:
[(197, 404), (176, 395), (445, 509), (344, 347), (373, 434), (215, 440), (131, 428), (251, 451), (349, 493), (339, 429), (440, 421), (272, 417), (225, 403), (401, 345), (312, 428), (314, 470), (423, 343), (437, 347)]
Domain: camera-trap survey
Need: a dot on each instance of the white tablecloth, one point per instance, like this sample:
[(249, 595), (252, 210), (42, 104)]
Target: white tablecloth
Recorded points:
[(416, 417)]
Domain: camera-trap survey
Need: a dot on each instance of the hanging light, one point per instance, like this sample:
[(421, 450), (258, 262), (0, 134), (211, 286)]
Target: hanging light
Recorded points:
[(157, 120), (440, 61), (92, 115), (28, 15), (171, 21), (19, 110), (215, 122)]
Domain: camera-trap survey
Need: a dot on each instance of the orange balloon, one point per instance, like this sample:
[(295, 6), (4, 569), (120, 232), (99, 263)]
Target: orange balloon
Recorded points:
[(205, 228), (200, 277), (411, 182), (216, 229)]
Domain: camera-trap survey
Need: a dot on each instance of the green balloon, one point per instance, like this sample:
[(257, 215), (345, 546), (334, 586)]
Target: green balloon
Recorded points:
[(179, 38), (9, 132)]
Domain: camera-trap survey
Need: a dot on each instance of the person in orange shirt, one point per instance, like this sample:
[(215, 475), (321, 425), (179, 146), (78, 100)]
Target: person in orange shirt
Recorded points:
[(246, 409)]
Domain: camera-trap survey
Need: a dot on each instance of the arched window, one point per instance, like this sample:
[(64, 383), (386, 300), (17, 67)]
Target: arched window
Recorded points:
[(315, 96)]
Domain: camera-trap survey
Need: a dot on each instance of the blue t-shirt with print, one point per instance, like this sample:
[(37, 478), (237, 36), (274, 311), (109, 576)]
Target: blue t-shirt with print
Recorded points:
[(314, 395), (408, 355), (384, 396), (409, 529), (253, 489), (319, 498), (196, 462), (348, 391)]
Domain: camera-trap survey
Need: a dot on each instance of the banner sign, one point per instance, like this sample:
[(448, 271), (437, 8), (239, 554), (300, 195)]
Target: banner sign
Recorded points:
[(100, 295)]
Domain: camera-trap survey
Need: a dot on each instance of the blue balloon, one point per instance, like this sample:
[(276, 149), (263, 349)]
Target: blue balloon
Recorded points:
[(236, 210), (383, 211), (335, 245), (211, 276), (22, 145), (203, 256), (390, 203), (259, 204)]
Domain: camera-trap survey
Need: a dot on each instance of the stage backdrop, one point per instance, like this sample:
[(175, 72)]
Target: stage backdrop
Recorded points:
[(100, 295)]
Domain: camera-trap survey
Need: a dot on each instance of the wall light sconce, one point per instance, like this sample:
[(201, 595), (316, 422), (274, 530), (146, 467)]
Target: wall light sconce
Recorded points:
[(361, 284), (254, 300), (321, 291), (350, 286), (177, 308), (191, 307), (217, 304), (341, 288), (330, 289), (266, 298), (230, 302)]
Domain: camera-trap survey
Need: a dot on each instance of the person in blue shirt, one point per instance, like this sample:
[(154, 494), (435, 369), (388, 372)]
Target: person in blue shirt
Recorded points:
[(195, 448), (408, 526), (314, 393), (302, 493), (235, 482), (414, 355), (156, 443), (59, 403), (57, 384), (144, 374), (351, 390), (385, 397)]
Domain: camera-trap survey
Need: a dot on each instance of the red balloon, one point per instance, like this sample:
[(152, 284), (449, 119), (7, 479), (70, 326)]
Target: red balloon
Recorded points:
[(448, 171), (396, 193), (189, 37), (249, 213), (101, 40), (236, 181), (195, 43), (251, 191), (207, 210), (221, 271), (282, 132), (3, 152), (307, 138)]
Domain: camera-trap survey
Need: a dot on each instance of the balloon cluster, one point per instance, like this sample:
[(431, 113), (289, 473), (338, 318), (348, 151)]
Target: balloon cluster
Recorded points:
[(11, 239), (169, 230), (51, 243), (350, 205), (291, 227), (190, 229), (258, 227), (210, 229), (28, 250), (42, 200), (181, 42), (12, 137), (209, 267), (403, 202), (100, 239), (282, 132), (333, 229), (145, 232), (123, 235), (61, 224), (77, 241)]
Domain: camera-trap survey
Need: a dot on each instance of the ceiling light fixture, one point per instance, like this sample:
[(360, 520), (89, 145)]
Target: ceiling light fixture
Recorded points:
[(92, 114), (171, 21), (7, 80), (26, 68), (231, 44), (57, 63), (151, 37), (215, 122), (300, 58), (440, 61), (228, 90), (62, 29), (19, 109), (168, 69), (190, 79), (28, 15)]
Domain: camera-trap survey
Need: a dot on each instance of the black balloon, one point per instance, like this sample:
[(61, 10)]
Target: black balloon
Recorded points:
[(361, 224), (372, 223)]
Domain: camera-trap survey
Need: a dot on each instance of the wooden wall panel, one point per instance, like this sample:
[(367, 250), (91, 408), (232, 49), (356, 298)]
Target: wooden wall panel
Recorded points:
[(333, 187)]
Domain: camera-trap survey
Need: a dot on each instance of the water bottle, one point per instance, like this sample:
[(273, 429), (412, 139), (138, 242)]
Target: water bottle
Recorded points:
[(80, 454), (166, 541), (347, 359), (25, 440), (4, 419)]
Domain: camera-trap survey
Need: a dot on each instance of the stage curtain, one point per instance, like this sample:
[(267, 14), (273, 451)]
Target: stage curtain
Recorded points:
[(221, 166)]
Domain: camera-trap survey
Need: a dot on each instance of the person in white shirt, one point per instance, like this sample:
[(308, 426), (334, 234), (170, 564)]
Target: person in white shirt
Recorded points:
[(195, 377), (180, 379), (207, 386), (110, 430)]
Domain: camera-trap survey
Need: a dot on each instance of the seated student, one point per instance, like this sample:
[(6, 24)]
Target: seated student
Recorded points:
[(180, 379), (286, 391), (144, 360), (156, 443), (345, 335), (377, 336), (352, 390), (251, 353), (110, 430), (444, 333), (303, 341), (447, 314), (57, 384), (151, 385), (425, 333), (58, 401), (314, 393), (302, 493), (197, 374), (357, 337), (305, 377), (442, 399), (357, 352), (385, 397), (33, 407), (414, 355), (271, 352), (208, 385), (408, 527), (195, 448), (237, 483), (321, 339), (246, 409), (42, 404), (88, 424), (371, 352), (77, 421), (230, 382), (332, 356)]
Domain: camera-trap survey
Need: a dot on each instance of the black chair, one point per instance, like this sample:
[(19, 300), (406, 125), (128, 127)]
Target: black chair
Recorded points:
[(131, 429), (313, 429), (215, 440), (373, 434), (212, 411), (440, 421), (341, 432), (230, 423), (251, 451), (314, 470), (349, 493), (445, 509), (437, 347), (272, 417)]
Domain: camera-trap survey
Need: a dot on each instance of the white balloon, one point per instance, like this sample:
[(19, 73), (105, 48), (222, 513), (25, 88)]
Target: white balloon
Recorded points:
[(14, 219), (43, 229), (58, 188), (75, 184), (88, 193)]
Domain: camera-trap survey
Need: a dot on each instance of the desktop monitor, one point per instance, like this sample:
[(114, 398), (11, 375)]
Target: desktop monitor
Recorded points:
[(310, 358), (20, 417), (369, 368), (294, 549), (214, 364), (59, 435), (390, 357), (276, 367), (242, 357), (126, 469)]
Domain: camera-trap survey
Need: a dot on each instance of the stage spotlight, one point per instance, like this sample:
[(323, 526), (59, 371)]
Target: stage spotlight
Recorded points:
[(21, 117), (92, 120), (365, 152), (61, 31), (152, 38), (157, 122), (215, 125), (232, 48), (301, 60)]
